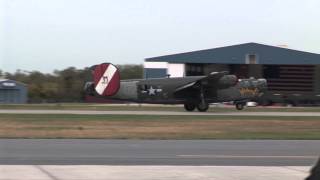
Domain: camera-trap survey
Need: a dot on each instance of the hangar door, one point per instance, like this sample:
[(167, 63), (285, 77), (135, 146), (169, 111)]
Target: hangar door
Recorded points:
[(9, 96), (290, 77), (194, 69)]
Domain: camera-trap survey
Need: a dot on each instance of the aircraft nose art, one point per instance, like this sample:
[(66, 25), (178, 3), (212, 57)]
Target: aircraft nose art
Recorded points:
[(106, 79)]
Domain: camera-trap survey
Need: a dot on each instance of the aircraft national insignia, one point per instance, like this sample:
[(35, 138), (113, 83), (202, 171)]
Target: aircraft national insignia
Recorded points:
[(151, 91)]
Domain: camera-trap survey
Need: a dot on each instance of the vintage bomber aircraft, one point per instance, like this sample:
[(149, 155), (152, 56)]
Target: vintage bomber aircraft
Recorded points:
[(192, 91)]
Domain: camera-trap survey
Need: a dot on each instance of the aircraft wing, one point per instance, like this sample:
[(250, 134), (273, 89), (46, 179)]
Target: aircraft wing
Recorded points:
[(207, 81)]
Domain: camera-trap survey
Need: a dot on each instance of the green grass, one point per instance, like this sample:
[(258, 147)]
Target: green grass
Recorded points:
[(157, 127)]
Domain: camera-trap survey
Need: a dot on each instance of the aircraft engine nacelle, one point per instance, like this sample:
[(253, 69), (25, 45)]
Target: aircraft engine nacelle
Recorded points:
[(227, 81)]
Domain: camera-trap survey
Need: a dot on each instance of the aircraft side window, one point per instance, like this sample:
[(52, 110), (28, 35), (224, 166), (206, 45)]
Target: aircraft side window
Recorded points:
[(254, 83)]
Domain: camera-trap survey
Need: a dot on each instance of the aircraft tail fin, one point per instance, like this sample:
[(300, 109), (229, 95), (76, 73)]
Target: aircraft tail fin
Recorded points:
[(106, 78)]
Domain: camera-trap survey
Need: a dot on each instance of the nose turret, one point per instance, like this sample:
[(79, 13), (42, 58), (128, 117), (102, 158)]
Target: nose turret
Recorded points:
[(262, 84), (253, 83), (252, 87)]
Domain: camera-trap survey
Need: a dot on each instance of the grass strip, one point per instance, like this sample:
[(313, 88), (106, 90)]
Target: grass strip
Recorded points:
[(157, 127)]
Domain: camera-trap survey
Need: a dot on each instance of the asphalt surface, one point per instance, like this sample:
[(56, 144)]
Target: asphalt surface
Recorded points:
[(239, 113), (103, 172), (159, 152)]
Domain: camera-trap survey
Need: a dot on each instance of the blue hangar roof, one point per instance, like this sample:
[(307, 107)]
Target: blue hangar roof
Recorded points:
[(237, 54)]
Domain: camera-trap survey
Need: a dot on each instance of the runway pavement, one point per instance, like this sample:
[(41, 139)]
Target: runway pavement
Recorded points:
[(158, 152), (82, 159), (182, 113), (152, 172)]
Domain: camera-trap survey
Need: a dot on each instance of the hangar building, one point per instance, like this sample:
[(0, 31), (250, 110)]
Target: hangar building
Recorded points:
[(292, 75), (12, 92)]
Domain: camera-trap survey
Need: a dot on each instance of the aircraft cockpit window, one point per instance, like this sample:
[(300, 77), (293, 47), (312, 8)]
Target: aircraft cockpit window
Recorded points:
[(246, 83)]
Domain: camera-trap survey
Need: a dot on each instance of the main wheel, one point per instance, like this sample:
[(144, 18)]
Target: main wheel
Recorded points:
[(203, 107), (189, 107), (239, 106)]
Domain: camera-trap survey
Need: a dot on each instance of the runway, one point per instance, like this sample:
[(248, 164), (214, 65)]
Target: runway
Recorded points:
[(102, 172), (167, 113), (158, 152)]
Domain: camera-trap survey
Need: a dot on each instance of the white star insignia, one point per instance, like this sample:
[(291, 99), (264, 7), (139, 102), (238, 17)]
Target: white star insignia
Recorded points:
[(152, 91)]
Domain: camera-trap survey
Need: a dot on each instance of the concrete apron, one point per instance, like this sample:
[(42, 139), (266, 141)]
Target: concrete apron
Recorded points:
[(93, 172)]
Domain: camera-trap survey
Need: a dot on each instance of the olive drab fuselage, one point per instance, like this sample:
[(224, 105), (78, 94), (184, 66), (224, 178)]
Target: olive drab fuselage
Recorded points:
[(163, 90)]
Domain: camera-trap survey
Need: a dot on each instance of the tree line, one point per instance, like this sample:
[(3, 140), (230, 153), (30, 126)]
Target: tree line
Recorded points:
[(63, 85)]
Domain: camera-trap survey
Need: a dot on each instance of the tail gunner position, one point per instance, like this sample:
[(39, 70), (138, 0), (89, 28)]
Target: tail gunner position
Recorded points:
[(192, 91)]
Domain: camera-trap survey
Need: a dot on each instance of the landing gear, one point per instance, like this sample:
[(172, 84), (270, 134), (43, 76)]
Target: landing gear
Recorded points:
[(240, 106), (200, 104), (203, 106), (189, 106)]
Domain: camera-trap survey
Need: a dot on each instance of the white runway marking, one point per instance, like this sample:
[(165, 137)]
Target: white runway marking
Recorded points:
[(240, 156), (84, 172)]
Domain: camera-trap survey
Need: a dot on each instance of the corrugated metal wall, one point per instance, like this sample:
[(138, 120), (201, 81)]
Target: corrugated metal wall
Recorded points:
[(12, 92), (290, 78)]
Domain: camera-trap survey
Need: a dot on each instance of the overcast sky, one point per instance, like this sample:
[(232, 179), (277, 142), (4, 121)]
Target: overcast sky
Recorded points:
[(45, 35)]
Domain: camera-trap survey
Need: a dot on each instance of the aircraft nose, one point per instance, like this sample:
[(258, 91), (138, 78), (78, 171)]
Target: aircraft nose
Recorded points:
[(262, 84)]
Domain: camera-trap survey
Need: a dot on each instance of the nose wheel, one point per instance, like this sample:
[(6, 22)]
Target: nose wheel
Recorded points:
[(240, 106)]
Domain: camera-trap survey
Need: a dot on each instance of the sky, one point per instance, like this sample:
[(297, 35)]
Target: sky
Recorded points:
[(44, 35)]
